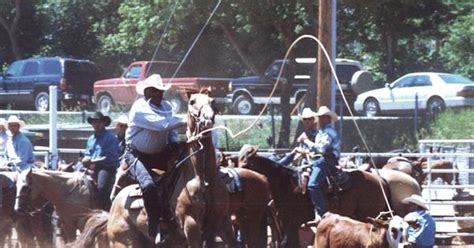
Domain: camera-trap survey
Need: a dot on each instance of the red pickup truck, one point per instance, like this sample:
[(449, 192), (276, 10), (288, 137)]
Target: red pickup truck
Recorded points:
[(121, 91)]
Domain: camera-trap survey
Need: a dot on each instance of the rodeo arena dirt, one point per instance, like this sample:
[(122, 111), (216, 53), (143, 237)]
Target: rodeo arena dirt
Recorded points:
[(448, 192)]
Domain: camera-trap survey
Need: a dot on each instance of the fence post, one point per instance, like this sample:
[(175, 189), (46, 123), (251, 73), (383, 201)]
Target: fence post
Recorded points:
[(416, 113), (272, 114), (53, 131)]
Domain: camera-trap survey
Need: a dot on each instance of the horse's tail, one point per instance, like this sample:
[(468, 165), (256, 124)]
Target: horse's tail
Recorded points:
[(95, 227)]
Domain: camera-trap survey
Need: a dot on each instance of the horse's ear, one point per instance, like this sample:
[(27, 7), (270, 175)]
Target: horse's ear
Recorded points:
[(189, 92)]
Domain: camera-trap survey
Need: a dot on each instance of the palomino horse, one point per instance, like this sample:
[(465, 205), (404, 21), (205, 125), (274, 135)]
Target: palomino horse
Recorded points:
[(248, 205), (199, 197), (364, 199), (68, 192)]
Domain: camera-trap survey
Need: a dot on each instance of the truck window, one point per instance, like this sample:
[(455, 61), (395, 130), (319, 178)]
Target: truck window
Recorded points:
[(51, 67), (165, 70), (31, 68), (134, 72), (14, 69)]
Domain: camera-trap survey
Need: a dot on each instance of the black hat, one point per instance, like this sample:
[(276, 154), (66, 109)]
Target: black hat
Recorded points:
[(99, 116)]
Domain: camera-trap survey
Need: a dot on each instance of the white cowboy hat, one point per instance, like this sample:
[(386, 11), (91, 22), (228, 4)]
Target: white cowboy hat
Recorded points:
[(123, 119), (3, 122), (14, 119), (323, 110), (416, 199), (153, 81), (307, 113)]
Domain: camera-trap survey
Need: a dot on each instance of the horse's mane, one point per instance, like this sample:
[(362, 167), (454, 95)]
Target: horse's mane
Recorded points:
[(273, 168)]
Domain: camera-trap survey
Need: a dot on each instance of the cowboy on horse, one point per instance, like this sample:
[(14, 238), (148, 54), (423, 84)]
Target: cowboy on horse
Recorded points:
[(328, 144), (151, 130)]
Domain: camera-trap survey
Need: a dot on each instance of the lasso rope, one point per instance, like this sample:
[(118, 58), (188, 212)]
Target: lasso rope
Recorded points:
[(333, 71)]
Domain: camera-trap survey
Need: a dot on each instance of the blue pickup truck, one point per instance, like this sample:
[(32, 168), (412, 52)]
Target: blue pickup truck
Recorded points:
[(247, 93), (25, 83)]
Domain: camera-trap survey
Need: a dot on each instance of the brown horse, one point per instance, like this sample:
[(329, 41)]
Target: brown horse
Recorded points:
[(199, 196), (70, 193), (363, 200), (248, 205), (416, 169)]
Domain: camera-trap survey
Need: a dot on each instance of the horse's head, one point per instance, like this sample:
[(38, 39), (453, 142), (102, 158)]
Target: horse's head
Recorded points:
[(25, 191), (273, 170), (201, 113)]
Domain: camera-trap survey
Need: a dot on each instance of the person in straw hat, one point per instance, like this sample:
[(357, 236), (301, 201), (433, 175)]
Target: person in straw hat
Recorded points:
[(102, 156), (149, 138), (422, 227), (328, 144), (19, 149), (3, 137), (121, 125), (308, 121)]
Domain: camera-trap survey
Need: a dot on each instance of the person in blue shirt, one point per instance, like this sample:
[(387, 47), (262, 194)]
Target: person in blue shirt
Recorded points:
[(102, 156), (422, 227), (328, 144), (19, 149)]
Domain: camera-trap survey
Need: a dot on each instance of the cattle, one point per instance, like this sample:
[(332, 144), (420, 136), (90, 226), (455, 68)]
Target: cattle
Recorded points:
[(339, 231)]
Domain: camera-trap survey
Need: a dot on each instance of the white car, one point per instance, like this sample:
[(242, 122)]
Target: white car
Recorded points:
[(435, 91)]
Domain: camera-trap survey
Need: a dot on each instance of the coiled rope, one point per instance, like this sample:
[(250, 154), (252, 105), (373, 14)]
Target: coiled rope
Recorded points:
[(333, 71)]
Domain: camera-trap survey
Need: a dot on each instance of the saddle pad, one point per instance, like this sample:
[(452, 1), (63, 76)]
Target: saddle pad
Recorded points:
[(231, 179), (134, 199), (7, 179)]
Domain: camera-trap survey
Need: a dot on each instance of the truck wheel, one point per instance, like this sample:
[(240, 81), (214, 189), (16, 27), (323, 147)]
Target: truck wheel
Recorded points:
[(105, 103), (243, 105), (42, 102)]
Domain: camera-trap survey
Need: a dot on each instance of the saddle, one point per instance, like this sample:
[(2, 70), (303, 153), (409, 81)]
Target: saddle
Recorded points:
[(231, 179), (338, 181), (134, 199)]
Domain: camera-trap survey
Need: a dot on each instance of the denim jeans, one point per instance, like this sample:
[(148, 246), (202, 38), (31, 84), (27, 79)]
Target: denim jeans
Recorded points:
[(315, 184), (105, 175)]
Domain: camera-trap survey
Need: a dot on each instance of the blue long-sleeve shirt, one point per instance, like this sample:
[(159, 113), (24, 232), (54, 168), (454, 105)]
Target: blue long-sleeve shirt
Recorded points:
[(327, 140), (105, 144), (424, 235), (20, 149)]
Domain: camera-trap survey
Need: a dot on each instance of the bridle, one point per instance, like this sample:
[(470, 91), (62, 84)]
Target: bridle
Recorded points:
[(199, 119)]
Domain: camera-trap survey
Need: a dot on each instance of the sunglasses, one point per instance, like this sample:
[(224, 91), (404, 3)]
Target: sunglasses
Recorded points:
[(308, 119)]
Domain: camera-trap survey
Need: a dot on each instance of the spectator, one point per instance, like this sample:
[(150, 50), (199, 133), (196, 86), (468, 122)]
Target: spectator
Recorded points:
[(102, 157), (328, 144), (422, 227), (121, 125), (19, 150), (3, 138), (152, 127)]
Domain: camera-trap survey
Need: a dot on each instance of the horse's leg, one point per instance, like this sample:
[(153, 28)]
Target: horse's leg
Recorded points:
[(227, 233), (192, 231), (253, 227)]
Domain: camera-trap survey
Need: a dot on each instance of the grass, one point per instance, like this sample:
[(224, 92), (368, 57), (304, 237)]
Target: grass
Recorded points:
[(451, 124)]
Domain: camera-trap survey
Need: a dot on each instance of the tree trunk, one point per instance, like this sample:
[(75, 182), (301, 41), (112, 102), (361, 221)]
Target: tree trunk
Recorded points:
[(13, 30), (283, 141), (240, 51)]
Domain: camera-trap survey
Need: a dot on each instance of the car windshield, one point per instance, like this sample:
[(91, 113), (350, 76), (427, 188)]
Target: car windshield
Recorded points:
[(455, 79)]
